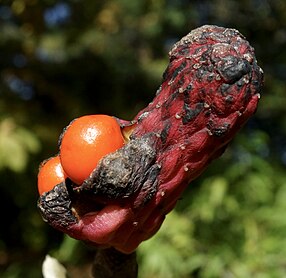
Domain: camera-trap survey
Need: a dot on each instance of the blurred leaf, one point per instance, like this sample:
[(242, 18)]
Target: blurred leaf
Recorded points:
[(15, 145), (167, 254)]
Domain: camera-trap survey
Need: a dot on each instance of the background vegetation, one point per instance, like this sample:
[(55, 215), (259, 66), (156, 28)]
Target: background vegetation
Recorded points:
[(63, 59)]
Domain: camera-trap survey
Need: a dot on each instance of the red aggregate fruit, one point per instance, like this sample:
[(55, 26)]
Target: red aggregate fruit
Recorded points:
[(210, 88)]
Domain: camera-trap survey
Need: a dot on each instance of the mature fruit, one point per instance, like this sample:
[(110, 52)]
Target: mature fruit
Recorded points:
[(210, 88), (50, 174), (85, 141)]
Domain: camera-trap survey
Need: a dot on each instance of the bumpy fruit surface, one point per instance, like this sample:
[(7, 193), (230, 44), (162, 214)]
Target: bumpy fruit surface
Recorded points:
[(50, 174), (85, 141), (210, 89)]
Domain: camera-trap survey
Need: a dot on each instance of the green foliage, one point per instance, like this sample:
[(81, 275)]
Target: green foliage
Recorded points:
[(16, 143), (63, 59), (232, 224)]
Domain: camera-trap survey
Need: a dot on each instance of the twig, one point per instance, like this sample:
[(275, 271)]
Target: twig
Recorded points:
[(110, 263)]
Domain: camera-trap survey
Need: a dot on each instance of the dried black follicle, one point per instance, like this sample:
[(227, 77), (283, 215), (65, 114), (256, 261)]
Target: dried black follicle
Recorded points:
[(191, 113), (179, 69), (122, 173), (221, 130), (232, 69), (165, 132), (224, 88), (55, 206)]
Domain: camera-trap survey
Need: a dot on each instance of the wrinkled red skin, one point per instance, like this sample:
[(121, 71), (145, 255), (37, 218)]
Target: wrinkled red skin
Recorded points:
[(210, 89)]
